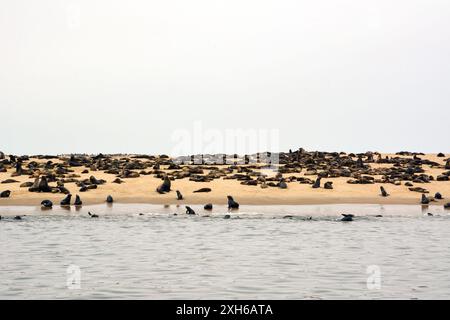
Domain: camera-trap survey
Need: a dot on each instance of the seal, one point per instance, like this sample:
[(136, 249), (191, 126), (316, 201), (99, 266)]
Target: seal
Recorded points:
[(179, 195), (109, 199), (328, 185), (165, 186), (383, 192), (208, 206), (78, 201), (438, 196), (66, 200), (347, 217), (43, 185), (5, 194), (282, 184), (92, 215), (424, 200), (47, 204), (231, 203), (317, 183), (203, 190), (189, 210)]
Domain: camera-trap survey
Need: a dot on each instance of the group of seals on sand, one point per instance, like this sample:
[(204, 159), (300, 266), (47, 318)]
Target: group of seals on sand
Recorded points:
[(66, 201), (52, 173)]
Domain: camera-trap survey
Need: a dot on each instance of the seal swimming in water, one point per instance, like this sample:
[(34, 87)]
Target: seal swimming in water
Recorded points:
[(78, 201), (447, 206), (383, 192), (47, 204), (208, 206), (92, 215), (227, 216), (203, 190), (179, 195), (66, 200), (424, 200), (347, 217), (109, 199), (189, 210), (429, 214), (165, 186), (232, 204), (5, 194), (17, 218)]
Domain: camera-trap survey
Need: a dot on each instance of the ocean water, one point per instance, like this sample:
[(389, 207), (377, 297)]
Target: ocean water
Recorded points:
[(147, 252)]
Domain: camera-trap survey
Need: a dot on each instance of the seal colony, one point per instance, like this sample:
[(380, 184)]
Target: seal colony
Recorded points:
[(299, 177)]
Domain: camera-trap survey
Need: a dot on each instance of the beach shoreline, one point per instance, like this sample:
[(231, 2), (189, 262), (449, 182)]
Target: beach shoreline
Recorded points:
[(255, 201)]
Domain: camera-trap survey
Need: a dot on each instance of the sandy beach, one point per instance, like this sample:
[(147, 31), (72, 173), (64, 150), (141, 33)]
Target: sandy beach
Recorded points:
[(143, 189)]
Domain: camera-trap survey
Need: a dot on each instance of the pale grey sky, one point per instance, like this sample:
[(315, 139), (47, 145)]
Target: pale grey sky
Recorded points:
[(122, 76)]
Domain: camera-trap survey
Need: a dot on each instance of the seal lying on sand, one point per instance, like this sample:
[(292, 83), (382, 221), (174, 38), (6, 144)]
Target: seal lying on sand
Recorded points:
[(109, 199), (203, 190), (438, 196), (5, 194), (165, 186), (232, 204)]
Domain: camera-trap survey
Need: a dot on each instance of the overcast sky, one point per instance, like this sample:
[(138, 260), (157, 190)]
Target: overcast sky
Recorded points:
[(126, 76)]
